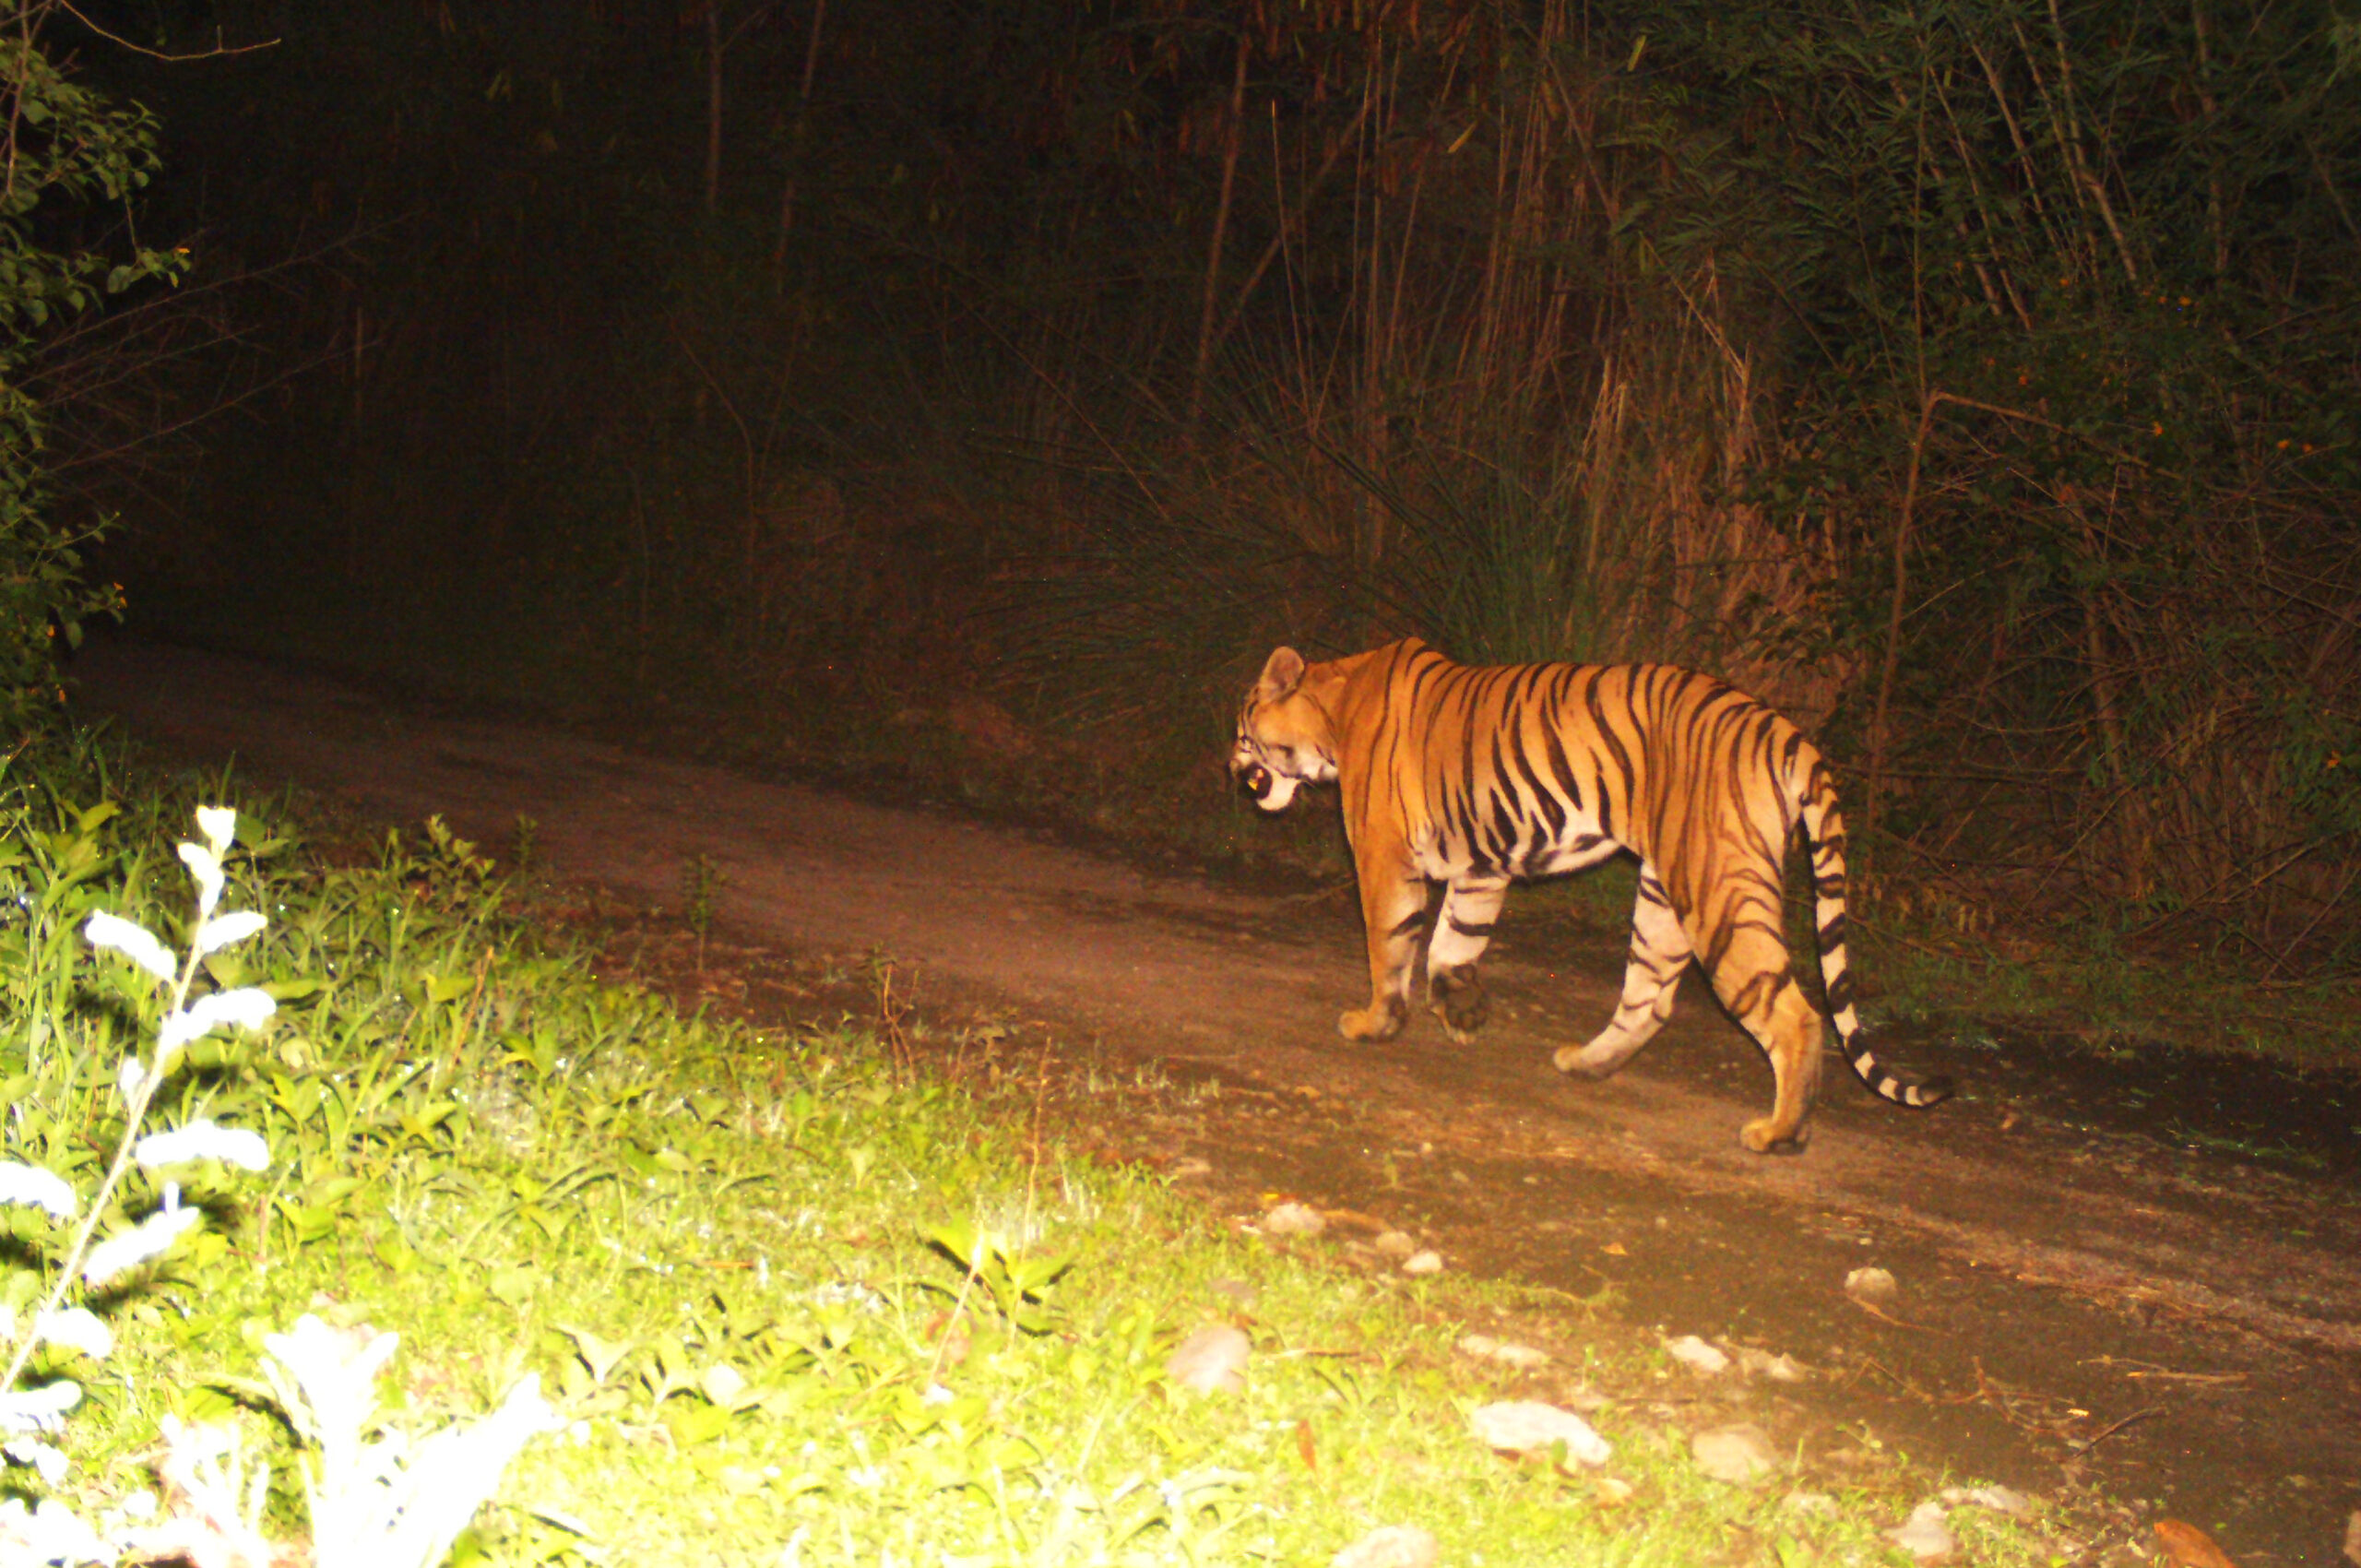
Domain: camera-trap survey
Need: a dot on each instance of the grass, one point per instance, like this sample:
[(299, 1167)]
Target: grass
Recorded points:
[(796, 1299)]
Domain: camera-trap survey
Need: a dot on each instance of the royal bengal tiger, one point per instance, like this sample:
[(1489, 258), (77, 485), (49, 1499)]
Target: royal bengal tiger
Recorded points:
[(1476, 776)]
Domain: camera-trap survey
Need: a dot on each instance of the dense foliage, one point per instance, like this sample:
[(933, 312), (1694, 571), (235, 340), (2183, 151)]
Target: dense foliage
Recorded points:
[(72, 160), (1972, 377)]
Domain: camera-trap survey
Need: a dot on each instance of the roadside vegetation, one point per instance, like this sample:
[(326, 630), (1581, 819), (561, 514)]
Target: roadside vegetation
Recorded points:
[(790, 1295)]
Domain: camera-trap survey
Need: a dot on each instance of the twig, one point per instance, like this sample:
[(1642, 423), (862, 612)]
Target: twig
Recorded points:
[(2086, 1445), (220, 50)]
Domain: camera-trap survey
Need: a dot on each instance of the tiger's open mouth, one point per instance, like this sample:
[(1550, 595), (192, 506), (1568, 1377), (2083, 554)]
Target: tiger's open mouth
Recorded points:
[(1257, 779)]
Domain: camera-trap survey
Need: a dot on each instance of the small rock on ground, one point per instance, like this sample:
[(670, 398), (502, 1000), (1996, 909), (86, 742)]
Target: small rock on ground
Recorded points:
[(1484, 1347), (1924, 1535), (1999, 1499), (1210, 1361), (1391, 1546), (1780, 1367), (1522, 1426), (1741, 1455), (1393, 1244), (1429, 1261), (1874, 1286), (1292, 1219), (1696, 1355)]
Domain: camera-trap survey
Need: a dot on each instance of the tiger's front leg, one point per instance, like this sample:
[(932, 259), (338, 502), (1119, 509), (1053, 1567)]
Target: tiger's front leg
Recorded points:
[(1393, 913), (1454, 994)]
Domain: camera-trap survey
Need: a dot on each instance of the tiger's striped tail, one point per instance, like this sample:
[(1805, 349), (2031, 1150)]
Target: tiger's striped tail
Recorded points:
[(1824, 836)]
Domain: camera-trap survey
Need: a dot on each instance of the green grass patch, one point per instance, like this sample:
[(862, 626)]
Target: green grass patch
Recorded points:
[(793, 1299)]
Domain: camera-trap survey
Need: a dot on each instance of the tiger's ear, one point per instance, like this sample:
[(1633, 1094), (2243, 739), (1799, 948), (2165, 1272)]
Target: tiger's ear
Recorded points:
[(1282, 673)]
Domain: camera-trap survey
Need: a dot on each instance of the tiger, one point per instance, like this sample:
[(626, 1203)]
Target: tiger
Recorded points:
[(1476, 776)]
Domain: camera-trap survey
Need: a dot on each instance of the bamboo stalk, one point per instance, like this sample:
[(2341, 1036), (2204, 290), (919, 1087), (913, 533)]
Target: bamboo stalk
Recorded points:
[(1232, 136)]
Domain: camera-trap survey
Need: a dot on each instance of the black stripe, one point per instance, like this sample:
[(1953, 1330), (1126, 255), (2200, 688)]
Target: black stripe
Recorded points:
[(1409, 923)]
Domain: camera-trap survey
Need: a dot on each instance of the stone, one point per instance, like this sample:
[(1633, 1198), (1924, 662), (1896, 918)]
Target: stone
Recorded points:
[(1524, 1426), (1484, 1347), (1293, 1219), (1696, 1355), (1390, 1546), (1924, 1535), (1741, 1455), (1874, 1287), (1212, 1360)]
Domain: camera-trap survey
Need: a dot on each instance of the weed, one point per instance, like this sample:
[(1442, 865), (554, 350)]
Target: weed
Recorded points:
[(701, 882)]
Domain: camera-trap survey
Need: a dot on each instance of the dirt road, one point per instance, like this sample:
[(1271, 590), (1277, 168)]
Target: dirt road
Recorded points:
[(2090, 1291)]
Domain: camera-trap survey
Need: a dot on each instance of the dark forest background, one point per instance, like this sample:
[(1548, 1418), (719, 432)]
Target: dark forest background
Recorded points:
[(1977, 379)]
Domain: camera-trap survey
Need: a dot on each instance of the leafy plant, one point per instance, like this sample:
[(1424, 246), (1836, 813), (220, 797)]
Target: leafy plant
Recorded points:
[(1018, 1282)]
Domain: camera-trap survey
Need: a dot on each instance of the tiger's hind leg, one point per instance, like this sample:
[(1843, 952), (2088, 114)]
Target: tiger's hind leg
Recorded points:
[(1660, 951), (1753, 981), (1454, 994)]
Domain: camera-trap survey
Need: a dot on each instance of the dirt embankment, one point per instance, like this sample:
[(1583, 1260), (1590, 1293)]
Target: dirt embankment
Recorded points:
[(2083, 1299)]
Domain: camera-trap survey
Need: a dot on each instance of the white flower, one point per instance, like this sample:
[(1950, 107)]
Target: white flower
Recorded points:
[(206, 866), (219, 825), (248, 1007), (38, 1410), (223, 930), (130, 1078), (202, 1140), (78, 1329), (132, 940), (39, 1454), (129, 1249), (41, 1189)]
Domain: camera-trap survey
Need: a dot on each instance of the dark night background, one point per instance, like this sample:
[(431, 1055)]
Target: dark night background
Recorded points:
[(986, 386)]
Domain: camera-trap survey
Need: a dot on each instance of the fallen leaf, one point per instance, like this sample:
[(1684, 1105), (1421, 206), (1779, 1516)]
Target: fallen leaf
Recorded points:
[(2187, 1547)]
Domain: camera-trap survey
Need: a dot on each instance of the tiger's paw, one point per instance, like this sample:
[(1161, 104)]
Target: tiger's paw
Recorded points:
[(1762, 1135), (1587, 1061), (1374, 1023), (1457, 997)]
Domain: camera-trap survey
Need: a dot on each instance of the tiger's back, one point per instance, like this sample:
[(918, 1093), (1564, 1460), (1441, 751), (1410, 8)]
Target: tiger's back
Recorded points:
[(1474, 776)]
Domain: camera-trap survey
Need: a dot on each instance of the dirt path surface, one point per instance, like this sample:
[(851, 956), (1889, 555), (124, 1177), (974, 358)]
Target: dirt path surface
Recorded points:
[(2082, 1302)]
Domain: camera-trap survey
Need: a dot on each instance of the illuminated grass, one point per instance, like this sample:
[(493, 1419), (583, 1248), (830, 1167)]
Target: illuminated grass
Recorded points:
[(796, 1305)]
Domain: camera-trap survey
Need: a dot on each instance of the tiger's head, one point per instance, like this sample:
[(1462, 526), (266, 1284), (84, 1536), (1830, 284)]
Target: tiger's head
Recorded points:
[(1284, 735)]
